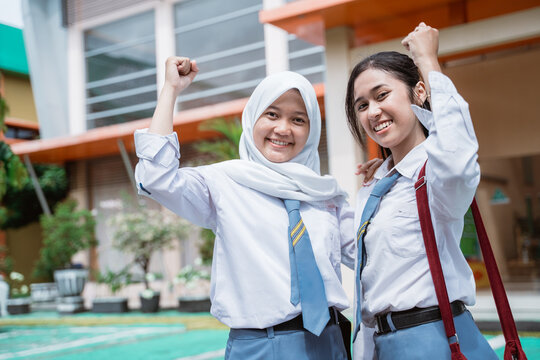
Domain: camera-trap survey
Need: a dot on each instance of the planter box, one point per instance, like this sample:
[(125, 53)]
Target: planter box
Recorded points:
[(194, 304), (150, 305), (43, 292), (110, 305), (18, 306)]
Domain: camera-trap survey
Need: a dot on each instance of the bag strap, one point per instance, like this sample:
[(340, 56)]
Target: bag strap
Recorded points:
[(513, 349), (435, 266)]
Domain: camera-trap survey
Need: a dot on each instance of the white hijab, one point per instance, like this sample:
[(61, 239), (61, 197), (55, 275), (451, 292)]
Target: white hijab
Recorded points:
[(297, 179)]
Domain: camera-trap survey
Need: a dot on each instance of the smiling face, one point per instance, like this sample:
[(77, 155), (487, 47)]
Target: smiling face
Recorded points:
[(281, 132), (382, 105)]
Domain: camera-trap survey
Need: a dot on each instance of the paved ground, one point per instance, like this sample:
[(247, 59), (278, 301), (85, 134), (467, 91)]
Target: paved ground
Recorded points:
[(166, 335)]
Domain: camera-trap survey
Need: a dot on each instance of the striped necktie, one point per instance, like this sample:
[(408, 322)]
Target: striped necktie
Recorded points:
[(306, 279), (371, 206)]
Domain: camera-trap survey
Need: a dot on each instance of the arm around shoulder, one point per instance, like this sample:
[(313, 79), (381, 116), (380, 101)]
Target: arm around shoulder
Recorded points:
[(347, 235)]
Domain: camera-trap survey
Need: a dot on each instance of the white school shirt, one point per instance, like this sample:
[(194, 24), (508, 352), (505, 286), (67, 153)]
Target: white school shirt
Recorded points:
[(251, 279), (396, 276)]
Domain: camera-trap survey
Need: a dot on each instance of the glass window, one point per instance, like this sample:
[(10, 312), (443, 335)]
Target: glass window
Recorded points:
[(120, 71), (306, 59), (227, 41)]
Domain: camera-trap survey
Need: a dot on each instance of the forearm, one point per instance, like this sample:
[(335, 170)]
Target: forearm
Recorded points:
[(162, 120), (426, 64), (179, 73)]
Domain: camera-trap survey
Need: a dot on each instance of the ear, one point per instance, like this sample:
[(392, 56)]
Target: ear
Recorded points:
[(420, 93)]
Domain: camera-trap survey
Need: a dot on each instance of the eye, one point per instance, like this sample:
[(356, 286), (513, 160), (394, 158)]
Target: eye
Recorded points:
[(382, 95), (299, 121), (361, 107), (271, 115)]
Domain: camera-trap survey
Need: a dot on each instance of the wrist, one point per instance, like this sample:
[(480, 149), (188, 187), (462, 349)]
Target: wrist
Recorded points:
[(426, 65), (172, 89)]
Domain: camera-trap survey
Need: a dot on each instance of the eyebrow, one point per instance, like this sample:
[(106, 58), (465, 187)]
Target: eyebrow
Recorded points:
[(372, 90), (272, 107)]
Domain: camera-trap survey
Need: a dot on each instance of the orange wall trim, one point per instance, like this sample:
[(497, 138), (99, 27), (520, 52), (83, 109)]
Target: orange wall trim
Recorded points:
[(298, 8), (103, 141), (21, 123), (374, 21)]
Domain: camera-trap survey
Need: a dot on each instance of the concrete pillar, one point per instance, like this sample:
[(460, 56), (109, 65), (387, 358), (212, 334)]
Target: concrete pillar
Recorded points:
[(165, 39), (276, 45), (343, 153)]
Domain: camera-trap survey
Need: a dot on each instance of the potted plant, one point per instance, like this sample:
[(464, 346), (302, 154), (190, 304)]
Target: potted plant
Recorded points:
[(140, 232), (195, 280), (19, 294), (66, 232), (115, 281)]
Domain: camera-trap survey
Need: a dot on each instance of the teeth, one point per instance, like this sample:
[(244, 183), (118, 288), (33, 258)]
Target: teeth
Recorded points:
[(277, 142), (383, 125)]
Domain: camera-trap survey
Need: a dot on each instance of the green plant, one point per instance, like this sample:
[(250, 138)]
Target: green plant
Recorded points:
[(65, 232), (17, 287), (206, 245), (190, 274), (143, 231), (12, 170), (6, 262), (226, 147), (20, 206), (115, 280)]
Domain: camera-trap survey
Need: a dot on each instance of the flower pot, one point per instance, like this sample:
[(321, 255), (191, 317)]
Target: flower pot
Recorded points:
[(150, 304), (70, 282), (194, 304), (18, 306), (110, 305), (43, 292)]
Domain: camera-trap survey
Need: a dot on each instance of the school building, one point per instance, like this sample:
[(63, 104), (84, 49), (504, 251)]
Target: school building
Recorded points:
[(97, 67)]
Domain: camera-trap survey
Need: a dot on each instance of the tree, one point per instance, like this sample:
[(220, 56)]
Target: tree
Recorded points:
[(65, 232), (12, 170), (141, 232), (20, 205)]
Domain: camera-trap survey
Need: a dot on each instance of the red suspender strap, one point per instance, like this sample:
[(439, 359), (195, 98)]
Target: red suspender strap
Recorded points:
[(435, 265), (513, 348)]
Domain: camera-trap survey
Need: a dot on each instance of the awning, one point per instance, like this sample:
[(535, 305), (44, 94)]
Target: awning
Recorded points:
[(13, 54), (375, 21)]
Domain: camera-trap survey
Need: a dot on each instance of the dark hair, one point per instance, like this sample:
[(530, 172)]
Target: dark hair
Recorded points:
[(400, 66)]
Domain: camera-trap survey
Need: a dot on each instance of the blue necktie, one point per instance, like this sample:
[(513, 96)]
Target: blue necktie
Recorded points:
[(306, 280), (371, 206)]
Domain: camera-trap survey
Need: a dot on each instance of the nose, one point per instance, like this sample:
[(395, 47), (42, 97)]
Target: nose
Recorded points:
[(282, 127), (374, 111)]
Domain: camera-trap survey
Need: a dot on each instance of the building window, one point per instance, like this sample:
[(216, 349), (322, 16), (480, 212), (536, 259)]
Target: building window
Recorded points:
[(120, 71), (16, 132), (227, 40), (306, 59)]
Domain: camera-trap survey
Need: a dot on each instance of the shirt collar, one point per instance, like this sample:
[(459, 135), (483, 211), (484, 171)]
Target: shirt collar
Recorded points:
[(407, 166), (410, 163), (424, 116), (384, 169)]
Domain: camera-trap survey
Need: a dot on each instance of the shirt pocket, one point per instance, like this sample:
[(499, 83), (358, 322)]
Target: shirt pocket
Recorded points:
[(406, 235)]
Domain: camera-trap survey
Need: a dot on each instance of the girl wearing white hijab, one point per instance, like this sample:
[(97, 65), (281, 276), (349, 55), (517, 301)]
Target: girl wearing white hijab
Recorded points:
[(255, 277)]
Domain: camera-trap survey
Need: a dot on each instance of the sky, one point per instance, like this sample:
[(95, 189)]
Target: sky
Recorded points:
[(11, 13)]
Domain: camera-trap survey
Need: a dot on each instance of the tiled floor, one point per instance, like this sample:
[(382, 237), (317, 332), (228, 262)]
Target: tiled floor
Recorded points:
[(166, 335)]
